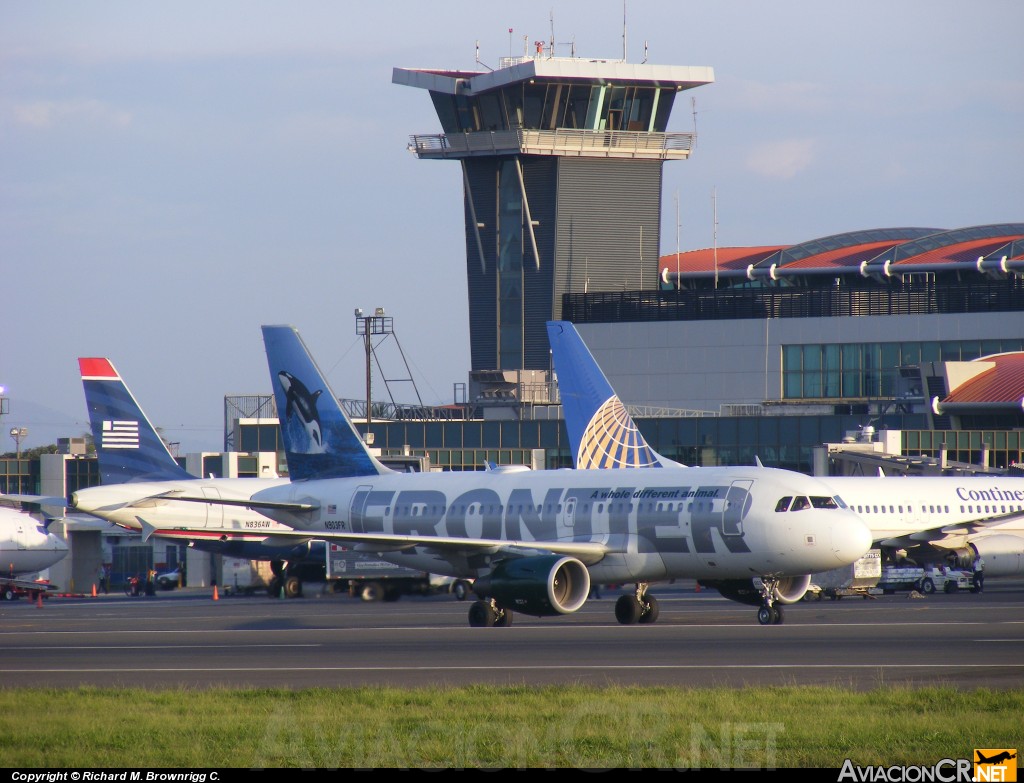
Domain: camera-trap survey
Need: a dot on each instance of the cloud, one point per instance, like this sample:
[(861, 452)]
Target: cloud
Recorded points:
[(782, 159), (49, 114), (785, 97)]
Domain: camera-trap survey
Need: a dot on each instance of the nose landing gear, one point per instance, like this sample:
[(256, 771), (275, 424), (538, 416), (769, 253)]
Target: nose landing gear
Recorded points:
[(769, 613)]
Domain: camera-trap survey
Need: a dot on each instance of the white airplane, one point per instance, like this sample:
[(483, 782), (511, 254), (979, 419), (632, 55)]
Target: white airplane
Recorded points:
[(936, 519), (26, 548), (140, 477), (534, 540)]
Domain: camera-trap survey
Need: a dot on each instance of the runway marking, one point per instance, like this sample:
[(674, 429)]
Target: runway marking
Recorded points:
[(505, 668), (515, 629), (434, 630)]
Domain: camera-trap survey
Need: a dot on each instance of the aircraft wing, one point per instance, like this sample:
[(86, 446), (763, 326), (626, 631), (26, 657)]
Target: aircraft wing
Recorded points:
[(19, 501), (223, 533), (955, 530), (589, 552)]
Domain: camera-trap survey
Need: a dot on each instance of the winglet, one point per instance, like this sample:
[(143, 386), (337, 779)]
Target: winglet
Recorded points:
[(128, 446), (147, 529), (602, 434), (319, 439)]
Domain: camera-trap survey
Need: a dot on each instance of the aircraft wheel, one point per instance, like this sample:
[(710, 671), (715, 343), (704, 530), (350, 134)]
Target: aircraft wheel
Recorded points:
[(292, 587), (461, 590), (927, 586), (503, 619), (628, 609), (650, 610), (777, 616), (371, 591), (481, 615), (765, 615)]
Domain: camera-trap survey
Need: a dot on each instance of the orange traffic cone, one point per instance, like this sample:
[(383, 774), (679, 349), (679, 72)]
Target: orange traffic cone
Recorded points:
[(39, 599), (94, 591), (215, 596)]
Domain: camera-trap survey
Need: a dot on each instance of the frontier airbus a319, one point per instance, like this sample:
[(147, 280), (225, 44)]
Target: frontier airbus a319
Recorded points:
[(533, 541), (935, 519)]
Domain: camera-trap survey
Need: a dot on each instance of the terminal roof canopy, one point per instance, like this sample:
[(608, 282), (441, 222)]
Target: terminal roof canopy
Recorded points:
[(880, 253), (991, 379)]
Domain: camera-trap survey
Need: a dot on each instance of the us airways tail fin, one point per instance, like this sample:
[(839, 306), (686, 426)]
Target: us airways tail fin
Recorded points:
[(128, 447), (602, 434), (319, 440)]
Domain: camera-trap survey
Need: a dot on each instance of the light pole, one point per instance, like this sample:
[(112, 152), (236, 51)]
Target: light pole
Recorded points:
[(367, 326), (18, 433)]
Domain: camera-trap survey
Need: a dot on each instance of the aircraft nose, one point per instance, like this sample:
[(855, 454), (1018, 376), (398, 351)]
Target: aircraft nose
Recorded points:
[(851, 538)]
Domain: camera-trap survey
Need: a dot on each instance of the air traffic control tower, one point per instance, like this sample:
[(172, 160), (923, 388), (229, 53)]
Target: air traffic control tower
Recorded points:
[(562, 177)]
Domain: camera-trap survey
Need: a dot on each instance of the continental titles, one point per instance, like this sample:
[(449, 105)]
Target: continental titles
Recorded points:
[(995, 493)]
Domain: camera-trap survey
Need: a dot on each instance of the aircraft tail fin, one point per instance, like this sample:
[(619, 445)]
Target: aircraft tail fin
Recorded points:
[(128, 447), (319, 439), (602, 434)]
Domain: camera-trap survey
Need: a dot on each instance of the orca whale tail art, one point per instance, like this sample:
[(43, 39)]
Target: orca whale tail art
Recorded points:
[(319, 440)]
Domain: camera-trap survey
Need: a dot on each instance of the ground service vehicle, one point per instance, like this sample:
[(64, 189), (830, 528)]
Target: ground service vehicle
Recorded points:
[(340, 569), (858, 578), (900, 577), (371, 579), (948, 580)]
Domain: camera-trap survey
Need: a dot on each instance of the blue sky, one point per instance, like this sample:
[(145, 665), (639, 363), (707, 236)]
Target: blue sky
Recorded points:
[(175, 174)]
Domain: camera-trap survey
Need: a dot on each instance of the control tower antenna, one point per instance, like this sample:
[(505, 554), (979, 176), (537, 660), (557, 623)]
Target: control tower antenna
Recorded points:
[(693, 109), (623, 30), (552, 43)]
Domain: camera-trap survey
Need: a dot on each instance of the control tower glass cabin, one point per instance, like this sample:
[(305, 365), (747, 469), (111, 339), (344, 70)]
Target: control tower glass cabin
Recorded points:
[(562, 174)]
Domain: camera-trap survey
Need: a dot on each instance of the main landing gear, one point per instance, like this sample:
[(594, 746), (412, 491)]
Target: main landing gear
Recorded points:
[(769, 613), (637, 607), (488, 614)]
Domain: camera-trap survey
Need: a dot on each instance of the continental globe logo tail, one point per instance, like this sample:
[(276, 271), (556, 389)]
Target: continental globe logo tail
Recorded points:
[(611, 440), (995, 764)]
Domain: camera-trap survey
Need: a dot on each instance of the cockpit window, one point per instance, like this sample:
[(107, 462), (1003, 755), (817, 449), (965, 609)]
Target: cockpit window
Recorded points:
[(841, 503), (823, 502), (800, 503), (783, 505)]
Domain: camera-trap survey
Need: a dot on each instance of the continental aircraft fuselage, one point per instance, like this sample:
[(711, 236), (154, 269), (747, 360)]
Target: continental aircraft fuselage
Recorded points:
[(946, 512)]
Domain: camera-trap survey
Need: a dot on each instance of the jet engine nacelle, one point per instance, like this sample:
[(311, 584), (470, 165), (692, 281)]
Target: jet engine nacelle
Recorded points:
[(1003, 554), (540, 586), (748, 591)]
